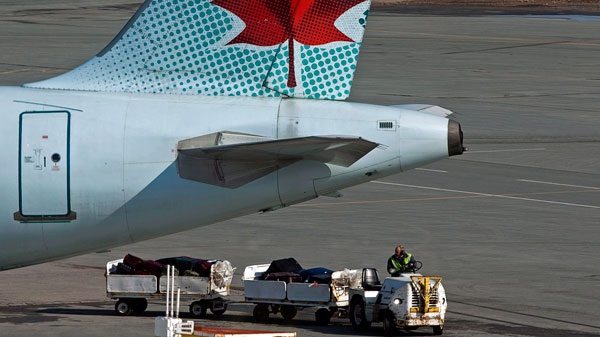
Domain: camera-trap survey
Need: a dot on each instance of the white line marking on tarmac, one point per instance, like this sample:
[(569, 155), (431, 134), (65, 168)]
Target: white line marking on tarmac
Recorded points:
[(507, 150), (488, 195), (558, 184), (431, 170)]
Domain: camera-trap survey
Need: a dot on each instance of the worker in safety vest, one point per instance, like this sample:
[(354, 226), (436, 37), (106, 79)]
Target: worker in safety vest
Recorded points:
[(400, 262)]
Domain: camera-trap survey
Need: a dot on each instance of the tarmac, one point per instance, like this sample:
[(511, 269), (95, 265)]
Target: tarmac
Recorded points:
[(513, 225)]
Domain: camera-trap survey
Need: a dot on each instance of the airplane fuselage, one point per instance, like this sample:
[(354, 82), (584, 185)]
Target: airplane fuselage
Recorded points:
[(85, 171)]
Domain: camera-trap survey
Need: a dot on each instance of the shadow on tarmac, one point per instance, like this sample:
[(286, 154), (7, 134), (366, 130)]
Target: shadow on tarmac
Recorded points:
[(339, 327)]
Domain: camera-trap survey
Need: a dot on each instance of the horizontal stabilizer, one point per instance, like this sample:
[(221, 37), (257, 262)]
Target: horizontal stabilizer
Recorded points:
[(231, 159), (282, 48)]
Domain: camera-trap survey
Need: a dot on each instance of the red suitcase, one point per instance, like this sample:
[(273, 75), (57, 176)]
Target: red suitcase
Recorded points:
[(152, 267), (132, 261)]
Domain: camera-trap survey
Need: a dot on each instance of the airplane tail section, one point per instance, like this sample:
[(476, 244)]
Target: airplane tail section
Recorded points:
[(268, 48)]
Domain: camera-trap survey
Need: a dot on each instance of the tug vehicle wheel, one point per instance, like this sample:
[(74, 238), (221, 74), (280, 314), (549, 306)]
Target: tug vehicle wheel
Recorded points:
[(357, 315)]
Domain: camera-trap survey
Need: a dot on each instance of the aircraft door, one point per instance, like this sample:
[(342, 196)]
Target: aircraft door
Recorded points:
[(44, 191)]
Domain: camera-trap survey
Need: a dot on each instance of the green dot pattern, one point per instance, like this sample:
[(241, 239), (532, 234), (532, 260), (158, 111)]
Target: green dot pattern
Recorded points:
[(327, 72), (181, 47)]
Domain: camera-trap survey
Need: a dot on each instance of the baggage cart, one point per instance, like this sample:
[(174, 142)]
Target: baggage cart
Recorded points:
[(133, 292), (287, 295)]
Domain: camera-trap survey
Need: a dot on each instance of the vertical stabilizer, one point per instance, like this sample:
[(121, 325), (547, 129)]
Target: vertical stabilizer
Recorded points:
[(294, 48)]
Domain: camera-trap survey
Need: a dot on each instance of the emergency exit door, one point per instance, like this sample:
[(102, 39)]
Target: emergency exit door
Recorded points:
[(44, 188)]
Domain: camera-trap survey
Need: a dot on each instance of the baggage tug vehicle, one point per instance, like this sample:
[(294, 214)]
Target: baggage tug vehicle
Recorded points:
[(408, 301)]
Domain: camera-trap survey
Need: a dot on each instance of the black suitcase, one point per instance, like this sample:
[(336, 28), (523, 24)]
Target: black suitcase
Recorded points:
[(123, 269), (289, 265), (285, 276)]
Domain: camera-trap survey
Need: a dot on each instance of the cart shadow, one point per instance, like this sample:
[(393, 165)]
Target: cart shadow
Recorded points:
[(78, 311), (336, 327)]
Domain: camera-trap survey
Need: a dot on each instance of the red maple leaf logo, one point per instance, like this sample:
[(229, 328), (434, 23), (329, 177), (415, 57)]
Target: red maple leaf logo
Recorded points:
[(272, 22)]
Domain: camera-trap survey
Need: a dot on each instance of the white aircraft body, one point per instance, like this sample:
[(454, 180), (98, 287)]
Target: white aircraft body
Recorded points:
[(197, 112)]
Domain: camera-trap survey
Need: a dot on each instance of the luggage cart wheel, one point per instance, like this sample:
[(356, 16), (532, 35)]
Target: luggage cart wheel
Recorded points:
[(218, 312), (288, 311), (124, 306), (139, 305), (261, 313), (217, 306), (198, 309)]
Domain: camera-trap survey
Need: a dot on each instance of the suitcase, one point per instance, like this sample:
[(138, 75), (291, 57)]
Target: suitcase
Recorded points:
[(202, 267), (285, 276), (318, 274), (284, 265), (132, 261), (123, 269), (185, 263), (152, 267)]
